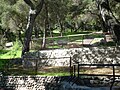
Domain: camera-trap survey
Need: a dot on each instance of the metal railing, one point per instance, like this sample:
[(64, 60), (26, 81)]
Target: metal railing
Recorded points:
[(76, 71)]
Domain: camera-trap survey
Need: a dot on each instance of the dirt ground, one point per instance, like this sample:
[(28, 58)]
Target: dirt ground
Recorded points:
[(106, 71), (85, 70)]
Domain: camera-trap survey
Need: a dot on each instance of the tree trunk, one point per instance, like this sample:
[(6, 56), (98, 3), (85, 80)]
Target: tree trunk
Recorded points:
[(109, 21), (36, 30), (44, 40), (51, 31), (102, 12), (28, 33), (46, 27), (61, 25), (33, 13), (61, 31), (20, 37)]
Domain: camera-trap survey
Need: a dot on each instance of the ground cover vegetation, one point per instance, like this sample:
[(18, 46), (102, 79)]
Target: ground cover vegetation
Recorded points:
[(49, 24)]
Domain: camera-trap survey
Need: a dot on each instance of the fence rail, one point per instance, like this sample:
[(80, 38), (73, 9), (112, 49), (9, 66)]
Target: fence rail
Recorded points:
[(76, 67), (7, 64), (36, 60)]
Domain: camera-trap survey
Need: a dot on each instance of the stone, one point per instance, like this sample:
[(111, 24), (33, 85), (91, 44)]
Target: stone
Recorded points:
[(9, 44)]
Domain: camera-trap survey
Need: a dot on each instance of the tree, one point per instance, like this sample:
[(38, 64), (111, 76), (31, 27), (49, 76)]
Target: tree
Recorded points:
[(49, 17), (33, 13), (46, 26), (58, 12), (5, 21), (12, 19), (110, 22)]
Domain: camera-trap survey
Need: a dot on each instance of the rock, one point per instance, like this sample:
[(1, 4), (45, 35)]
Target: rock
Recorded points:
[(9, 44), (62, 42)]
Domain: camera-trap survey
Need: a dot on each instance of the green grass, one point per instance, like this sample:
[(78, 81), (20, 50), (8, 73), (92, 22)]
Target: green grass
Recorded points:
[(82, 32), (68, 36), (68, 32), (97, 35), (14, 52), (3, 51), (75, 36), (10, 54)]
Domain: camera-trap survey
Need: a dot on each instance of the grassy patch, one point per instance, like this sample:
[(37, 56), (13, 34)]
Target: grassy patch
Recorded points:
[(14, 52), (11, 54), (97, 35), (82, 32), (3, 51)]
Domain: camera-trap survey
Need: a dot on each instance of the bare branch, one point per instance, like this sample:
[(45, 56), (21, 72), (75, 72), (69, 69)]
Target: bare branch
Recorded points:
[(29, 3)]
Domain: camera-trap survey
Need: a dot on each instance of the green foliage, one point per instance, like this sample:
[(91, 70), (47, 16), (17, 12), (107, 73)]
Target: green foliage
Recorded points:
[(3, 63), (3, 51), (14, 53), (80, 14), (97, 35), (108, 44), (13, 16)]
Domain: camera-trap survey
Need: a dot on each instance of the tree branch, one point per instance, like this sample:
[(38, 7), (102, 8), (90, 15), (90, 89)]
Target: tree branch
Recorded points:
[(39, 7), (29, 3)]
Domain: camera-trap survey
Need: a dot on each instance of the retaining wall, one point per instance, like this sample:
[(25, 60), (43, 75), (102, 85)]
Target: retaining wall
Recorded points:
[(85, 55), (32, 82), (52, 83)]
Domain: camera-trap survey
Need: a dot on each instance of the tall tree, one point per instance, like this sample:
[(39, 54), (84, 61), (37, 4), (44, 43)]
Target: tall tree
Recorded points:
[(110, 22), (33, 13), (46, 27)]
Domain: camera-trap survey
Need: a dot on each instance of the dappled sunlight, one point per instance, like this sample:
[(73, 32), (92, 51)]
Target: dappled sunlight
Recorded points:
[(59, 45)]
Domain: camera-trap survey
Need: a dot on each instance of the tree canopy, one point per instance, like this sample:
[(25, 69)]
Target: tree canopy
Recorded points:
[(22, 19)]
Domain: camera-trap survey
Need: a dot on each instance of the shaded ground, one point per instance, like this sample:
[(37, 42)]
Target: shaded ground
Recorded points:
[(54, 69), (45, 70), (70, 41), (85, 70), (106, 71), (94, 82)]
